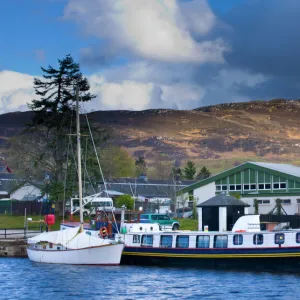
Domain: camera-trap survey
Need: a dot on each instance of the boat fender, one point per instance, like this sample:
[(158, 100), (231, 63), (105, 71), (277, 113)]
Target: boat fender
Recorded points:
[(103, 232)]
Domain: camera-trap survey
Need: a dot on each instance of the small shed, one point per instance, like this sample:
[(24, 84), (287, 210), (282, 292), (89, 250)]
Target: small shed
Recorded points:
[(220, 212)]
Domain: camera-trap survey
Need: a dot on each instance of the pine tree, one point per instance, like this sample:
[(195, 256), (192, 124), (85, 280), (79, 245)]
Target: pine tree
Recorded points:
[(141, 166), (56, 93), (55, 108), (189, 170), (176, 174), (204, 173)]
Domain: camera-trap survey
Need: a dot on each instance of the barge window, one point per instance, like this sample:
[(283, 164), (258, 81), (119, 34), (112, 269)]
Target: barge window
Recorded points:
[(258, 239), (298, 237), (279, 238), (238, 239), (220, 241), (166, 241), (202, 241), (182, 241), (136, 239), (147, 240)]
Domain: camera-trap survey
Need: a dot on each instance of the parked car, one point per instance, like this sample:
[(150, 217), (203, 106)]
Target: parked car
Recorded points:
[(162, 219)]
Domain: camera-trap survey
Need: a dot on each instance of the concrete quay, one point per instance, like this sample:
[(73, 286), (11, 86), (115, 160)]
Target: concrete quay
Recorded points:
[(13, 248)]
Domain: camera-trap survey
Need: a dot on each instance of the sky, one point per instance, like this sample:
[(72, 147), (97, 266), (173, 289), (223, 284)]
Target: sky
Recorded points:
[(143, 54)]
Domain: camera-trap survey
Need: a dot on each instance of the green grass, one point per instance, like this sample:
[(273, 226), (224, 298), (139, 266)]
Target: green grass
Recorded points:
[(188, 224), (18, 222)]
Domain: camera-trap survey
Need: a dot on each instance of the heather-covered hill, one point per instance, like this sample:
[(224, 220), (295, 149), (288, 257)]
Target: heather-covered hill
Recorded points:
[(217, 136)]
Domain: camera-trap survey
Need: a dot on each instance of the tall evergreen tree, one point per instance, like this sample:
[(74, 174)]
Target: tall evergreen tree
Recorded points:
[(176, 173), (189, 170), (55, 108), (204, 173), (141, 166)]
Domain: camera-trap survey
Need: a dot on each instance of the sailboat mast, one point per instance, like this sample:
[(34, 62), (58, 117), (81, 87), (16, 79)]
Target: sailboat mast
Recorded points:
[(79, 155)]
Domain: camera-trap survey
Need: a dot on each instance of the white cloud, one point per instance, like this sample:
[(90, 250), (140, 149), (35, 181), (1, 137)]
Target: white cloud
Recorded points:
[(160, 30), (16, 89), (125, 95)]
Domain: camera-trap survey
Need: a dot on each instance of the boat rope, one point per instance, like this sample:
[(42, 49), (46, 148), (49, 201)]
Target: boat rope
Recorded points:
[(97, 157)]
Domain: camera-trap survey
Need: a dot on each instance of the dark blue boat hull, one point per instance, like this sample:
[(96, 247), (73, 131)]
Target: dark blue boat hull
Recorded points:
[(279, 259)]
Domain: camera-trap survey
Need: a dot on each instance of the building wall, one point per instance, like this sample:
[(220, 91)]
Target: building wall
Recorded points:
[(291, 208), (205, 192), (26, 190)]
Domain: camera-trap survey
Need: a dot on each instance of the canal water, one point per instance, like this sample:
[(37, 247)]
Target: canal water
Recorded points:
[(22, 279)]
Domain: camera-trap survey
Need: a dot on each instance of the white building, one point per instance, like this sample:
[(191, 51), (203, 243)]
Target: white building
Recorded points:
[(265, 182), (27, 191)]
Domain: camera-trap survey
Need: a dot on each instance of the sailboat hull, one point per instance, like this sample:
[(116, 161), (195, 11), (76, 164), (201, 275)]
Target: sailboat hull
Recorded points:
[(100, 255)]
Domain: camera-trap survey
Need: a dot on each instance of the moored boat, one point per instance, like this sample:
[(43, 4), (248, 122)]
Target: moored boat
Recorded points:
[(245, 246), (74, 245)]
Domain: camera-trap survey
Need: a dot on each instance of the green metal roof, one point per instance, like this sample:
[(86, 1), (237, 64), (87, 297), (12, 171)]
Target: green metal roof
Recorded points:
[(289, 171)]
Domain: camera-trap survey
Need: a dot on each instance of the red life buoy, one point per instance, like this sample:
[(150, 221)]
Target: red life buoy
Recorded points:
[(103, 232)]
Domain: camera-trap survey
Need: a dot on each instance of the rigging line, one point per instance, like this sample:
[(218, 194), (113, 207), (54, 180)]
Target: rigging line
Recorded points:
[(94, 146), (98, 161)]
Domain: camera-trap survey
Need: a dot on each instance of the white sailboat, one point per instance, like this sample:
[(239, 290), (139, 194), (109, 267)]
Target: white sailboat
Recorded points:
[(74, 245)]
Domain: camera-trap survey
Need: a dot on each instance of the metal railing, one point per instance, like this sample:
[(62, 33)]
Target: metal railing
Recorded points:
[(20, 233)]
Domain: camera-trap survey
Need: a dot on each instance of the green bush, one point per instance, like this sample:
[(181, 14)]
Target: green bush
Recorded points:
[(125, 200)]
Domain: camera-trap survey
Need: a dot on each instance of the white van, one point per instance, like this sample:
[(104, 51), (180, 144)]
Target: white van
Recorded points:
[(98, 203), (101, 204)]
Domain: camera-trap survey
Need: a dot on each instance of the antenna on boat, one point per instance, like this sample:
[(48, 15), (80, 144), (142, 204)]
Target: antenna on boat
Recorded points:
[(79, 156)]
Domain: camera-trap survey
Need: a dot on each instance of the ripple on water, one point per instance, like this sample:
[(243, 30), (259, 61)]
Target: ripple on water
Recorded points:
[(22, 279)]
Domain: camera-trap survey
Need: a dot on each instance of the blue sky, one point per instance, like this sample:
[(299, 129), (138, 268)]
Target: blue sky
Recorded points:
[(37, 33), (178, 54)]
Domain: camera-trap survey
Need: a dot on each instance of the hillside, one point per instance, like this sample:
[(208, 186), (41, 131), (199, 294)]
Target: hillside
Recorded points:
[(218, 136)]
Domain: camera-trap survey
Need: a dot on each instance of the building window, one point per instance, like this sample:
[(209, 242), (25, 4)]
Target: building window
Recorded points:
[(286, 201), (276, 186), (232, 187), (220, 241), (218, 188), (279, 238), (202, 241), (147, 240), (253, 186), (136, 239), (246, 187), (224, 187), (264, 186), (265, 202), (237, 239), (283, 185), (238, 187), (258, 239), (182, 241), (298, 237), (166, 241), (267, 186)]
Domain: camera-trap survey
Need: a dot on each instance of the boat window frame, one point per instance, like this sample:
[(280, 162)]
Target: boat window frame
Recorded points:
[(240, 239), (203, 235), (257, 241), (298, 237), (142, 240), (279, 241), (215, 242), (183, 235), (136, 241), (168, 236)]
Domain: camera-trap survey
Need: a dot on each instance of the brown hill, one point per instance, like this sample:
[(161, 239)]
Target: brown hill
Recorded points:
[(216, 136)]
